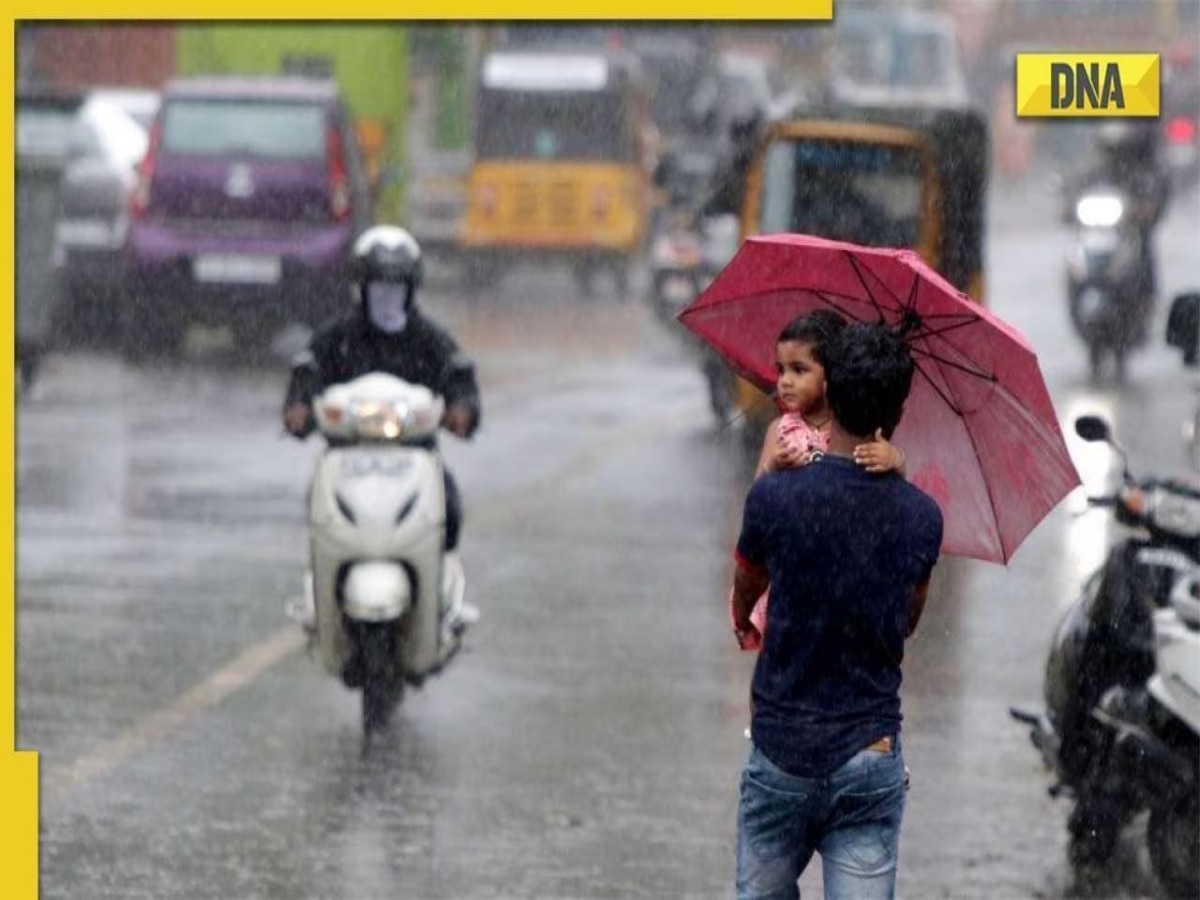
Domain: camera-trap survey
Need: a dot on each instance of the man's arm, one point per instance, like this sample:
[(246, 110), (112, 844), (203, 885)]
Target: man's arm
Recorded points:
[(749, 582), (311, 372), (303, 385), (455, 379), (933, 531), (463, 408), (750, 576), (916, 606)]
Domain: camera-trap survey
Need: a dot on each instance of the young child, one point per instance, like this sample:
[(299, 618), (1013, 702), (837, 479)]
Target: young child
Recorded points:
[(803, 428)]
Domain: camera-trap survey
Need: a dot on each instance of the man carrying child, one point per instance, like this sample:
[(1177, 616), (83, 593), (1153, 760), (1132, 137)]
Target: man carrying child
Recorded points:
[(848, 555)]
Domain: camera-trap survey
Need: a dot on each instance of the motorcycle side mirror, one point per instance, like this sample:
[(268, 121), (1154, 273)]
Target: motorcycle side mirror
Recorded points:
[(1183, 327), (1092, 429)]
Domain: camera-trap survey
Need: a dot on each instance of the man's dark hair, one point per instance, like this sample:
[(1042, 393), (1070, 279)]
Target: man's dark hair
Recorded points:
[(868, 374), (816, 328)]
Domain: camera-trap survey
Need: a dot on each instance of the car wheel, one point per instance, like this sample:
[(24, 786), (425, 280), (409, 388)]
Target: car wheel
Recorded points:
[(147, 334), (89, 316)]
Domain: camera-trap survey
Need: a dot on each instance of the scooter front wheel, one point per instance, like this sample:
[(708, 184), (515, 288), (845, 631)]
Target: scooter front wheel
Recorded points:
[(1173, 838), (381, 689), (1094, 830)]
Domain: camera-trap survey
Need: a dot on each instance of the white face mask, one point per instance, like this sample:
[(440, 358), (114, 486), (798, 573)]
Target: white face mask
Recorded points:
[(387, 306)]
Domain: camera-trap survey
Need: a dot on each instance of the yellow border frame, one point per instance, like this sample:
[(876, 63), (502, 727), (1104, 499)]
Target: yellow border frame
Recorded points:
[(19, 771), (461, 10)]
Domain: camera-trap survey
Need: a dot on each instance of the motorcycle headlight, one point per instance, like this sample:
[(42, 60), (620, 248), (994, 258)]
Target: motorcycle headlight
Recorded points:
[(1099, 210), (379, 421), (1176, 513)]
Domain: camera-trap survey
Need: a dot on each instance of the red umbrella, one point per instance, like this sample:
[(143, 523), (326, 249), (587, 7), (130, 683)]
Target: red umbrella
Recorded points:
[(979, 430)]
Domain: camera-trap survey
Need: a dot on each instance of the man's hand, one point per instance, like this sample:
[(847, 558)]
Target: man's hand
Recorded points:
[(748, 586), (296, 418), (457, 419)]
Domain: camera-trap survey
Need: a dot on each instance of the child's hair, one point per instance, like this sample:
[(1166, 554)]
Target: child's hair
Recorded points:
[(816, 328)]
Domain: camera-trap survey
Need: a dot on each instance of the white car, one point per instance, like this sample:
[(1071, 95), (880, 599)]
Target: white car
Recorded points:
[(108, 144)]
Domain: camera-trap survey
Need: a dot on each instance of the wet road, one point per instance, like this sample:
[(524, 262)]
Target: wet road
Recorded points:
[(589, 743)]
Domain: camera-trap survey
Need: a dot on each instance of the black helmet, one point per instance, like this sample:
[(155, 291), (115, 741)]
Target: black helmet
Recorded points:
[(1127, 140), (387, 253)]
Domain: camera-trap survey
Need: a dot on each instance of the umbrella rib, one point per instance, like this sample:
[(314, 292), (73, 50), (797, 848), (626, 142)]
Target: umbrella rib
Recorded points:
[(975, 447), (958, 321), (954, 408), (858, 273), (829, 298), (991, 495), (962, 367), (910, 305), (746, 412), (860, 264), (941, 332)]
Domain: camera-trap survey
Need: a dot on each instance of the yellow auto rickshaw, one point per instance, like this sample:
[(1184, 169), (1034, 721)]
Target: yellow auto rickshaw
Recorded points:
[(562, 163), (894, 177)]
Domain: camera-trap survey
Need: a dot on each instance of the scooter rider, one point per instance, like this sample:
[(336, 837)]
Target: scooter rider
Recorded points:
[(386, 331), (1129, 161)]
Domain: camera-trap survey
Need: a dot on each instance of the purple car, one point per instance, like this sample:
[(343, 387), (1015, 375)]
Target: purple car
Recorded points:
[(249, 197)]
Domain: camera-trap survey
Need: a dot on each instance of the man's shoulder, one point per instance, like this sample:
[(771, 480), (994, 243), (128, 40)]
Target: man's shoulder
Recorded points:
[(917, 500), (922, 511), (333, 329), (422, 327)]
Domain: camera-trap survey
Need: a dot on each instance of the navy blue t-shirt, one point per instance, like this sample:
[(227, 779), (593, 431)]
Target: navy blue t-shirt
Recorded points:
[(844, 550)]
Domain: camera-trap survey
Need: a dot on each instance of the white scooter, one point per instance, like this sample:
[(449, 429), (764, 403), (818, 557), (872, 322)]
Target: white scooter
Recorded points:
[(382, 585)]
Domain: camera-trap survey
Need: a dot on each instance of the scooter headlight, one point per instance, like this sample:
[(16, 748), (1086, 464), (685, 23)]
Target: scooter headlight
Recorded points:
[(379, 421), (1099, 210)]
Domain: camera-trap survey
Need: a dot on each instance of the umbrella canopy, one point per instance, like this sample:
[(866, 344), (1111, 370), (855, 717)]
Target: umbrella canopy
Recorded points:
[(979, 431)]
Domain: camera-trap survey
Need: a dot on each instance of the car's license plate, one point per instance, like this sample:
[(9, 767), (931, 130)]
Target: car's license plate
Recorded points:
[(237, 269), (85, 233)]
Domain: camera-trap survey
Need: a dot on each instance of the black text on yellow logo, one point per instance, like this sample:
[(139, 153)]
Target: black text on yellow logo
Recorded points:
[(1086, 86)]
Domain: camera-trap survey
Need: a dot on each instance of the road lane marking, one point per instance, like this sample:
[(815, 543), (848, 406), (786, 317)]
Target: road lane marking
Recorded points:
[(259, 658), (219, 686)]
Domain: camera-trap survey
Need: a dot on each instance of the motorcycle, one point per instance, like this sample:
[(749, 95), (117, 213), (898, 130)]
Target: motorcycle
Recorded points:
[(381, 583), (686, 254), (1183, 333), (1103, 655), (1108, 285), (677, 265), (1155, 741)]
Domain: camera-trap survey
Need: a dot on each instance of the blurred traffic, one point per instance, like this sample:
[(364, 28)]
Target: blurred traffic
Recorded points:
[(188, 200)]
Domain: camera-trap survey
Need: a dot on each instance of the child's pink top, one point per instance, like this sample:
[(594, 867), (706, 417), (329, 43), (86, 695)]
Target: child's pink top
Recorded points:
[(797, 434)]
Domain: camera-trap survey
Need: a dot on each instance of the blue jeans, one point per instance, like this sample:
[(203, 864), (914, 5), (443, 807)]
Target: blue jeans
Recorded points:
[(851, 817)]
